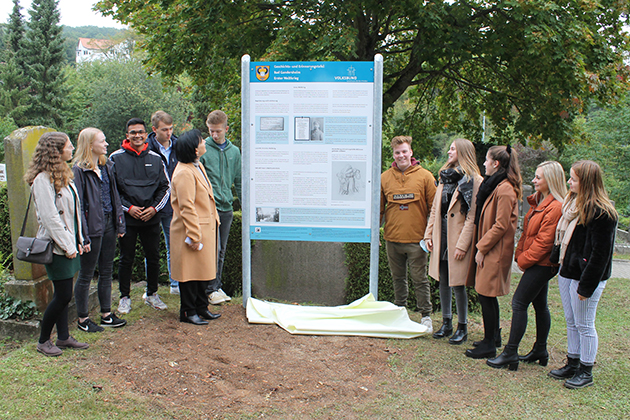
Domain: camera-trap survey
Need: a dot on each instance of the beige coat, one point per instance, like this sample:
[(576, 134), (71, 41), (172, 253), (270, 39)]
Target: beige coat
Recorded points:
[(495, 234), (194, 216), (460, 230)]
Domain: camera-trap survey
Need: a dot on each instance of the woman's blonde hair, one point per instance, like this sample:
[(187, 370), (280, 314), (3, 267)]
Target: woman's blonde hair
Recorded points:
[(555, 178), (47, 158), (591, 194), (83, 155), (466, 158)]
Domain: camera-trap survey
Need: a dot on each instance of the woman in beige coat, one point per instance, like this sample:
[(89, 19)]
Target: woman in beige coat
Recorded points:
[(193, 230), (449, 234), (496, 215)]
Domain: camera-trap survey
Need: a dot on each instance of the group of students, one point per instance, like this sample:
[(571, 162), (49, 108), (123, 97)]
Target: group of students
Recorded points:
[(84, 210), (471, 234)]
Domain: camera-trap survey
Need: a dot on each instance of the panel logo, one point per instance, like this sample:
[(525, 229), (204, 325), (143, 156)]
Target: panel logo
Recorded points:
[(262, 73)]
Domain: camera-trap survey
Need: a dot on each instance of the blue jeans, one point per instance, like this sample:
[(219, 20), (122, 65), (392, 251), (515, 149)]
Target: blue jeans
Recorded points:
[(102, 251), (582, 339), (225, 217), (165, 220)]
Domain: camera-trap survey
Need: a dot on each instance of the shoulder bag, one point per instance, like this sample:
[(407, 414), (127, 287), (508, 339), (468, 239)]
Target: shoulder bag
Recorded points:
[(33, 250)]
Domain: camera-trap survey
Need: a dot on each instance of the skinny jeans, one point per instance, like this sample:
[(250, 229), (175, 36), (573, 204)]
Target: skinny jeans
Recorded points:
[(446, 297), (533, 288), (56, 312), (582, 339), (225, 217), (490, 315), (102, 251)]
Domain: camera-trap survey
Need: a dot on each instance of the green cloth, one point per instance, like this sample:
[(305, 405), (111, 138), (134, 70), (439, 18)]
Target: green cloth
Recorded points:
[(223, 167)]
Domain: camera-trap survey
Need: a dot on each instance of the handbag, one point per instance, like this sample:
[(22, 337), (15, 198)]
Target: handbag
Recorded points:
[(554, 257), (33, 250)]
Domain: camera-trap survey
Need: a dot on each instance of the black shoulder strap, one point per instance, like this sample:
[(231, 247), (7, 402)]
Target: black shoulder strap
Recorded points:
[(26, 215)]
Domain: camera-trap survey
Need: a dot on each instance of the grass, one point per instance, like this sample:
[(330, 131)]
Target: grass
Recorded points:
[(425, 378)]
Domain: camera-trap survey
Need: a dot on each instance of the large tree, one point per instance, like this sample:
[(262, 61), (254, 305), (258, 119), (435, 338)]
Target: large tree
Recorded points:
[(13, 95), (45, 62), (528, 65)]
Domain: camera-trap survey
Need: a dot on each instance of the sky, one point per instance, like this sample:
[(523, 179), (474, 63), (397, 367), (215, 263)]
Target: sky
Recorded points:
[(73, 13)]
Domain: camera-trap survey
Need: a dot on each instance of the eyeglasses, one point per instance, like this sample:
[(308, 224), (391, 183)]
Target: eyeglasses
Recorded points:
[(137, 133)]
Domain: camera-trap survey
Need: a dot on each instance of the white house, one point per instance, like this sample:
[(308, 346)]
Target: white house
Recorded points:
[(90, 49)]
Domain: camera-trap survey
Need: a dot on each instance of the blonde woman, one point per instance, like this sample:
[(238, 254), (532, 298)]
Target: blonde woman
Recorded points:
[(103, 220), (449, 234), (532, 257), (586, 233), (58, 215)]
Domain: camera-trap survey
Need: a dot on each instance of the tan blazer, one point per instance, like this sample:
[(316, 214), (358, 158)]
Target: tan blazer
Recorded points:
[(495, 234), (194, 216), (460, 231)]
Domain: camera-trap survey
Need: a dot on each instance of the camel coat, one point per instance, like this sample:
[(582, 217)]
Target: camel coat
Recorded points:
[(460, 229), (495, 239), (194, 216)]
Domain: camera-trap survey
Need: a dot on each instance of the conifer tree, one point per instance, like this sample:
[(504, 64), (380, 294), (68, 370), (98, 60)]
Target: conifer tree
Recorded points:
[(13, 95), (45, 62)]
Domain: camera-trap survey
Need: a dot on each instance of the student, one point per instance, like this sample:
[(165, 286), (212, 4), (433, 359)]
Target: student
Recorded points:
[(586, 235), (496, 215), (449, 235), (407, 192), (103, 219), (222, 162), (532, 257), (162, 141), (58, 215), (144, 190)]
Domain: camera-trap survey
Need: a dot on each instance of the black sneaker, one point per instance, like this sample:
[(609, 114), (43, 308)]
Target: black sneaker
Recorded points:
[(89, 326), (112, 321)]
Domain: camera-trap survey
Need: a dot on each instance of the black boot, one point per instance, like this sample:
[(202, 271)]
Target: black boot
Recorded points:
[(583, 377), (507, 359), (567, 371), (445, 330), (484, 350), (497, 339), (538, 354), (460, 336)]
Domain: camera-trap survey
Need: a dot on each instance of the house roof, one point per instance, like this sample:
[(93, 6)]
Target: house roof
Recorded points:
[(96, 44)]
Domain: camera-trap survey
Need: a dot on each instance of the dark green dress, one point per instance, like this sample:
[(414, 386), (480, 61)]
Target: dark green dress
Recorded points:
[(62, 267)]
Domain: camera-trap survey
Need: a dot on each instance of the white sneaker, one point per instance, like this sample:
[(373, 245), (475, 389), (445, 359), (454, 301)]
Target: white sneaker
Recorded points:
[(427, 322), (154, 301), (224, 295), (216, 298), (124, 306), (174, 290)]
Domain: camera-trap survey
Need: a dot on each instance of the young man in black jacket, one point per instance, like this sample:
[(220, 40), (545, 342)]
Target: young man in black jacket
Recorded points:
[(162, 141), (144, 190)]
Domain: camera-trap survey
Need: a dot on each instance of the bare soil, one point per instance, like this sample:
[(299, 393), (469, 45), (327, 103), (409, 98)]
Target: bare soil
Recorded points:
[(233, 368)]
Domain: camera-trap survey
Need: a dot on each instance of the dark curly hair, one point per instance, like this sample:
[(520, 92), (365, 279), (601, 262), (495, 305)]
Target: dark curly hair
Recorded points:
[(47, 158)]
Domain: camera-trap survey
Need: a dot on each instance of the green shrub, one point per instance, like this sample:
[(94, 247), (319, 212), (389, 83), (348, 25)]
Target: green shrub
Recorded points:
[(11, 308), (5, 228)]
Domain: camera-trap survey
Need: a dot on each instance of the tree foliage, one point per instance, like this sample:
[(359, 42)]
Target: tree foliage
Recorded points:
[(529, 65), (45, 63), (13, 95)]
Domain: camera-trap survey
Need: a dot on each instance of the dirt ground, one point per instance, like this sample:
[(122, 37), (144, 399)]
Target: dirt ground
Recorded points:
[(233, 367)]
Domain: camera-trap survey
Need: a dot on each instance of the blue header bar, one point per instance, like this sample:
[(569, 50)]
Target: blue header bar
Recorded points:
[(312, 71)]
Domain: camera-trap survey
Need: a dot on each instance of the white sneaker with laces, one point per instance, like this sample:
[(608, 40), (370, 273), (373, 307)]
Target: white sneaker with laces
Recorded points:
[(427, 322), (154, 301), (174, 290), (216, 298), (124, 306), (224, 295)]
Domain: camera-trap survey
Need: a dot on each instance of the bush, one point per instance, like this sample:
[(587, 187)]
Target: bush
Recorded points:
[(5, 228), (357, 285), (11, 308)]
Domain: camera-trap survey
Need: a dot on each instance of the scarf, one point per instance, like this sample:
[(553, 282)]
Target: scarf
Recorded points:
[(566, 225), (486, 188), (448, 178)]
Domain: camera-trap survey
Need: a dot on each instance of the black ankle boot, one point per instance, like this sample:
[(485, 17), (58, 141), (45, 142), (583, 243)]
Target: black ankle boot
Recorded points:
[(497, 339), (460, 336), (484, 350), (445, 330), (507, 359), (583, 377), (567, 371), (538, 354)]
